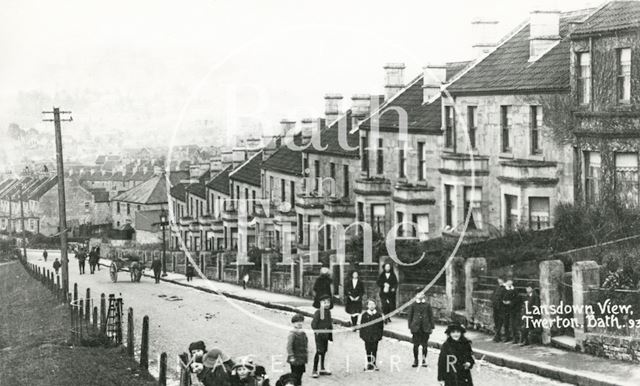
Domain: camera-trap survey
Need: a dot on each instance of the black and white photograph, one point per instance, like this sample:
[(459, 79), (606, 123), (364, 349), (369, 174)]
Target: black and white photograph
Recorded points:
[(287, 193)]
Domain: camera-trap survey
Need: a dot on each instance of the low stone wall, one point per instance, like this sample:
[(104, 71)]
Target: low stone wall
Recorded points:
[(281, 282), (181, 269), (211, 272), (308, 281), (613, 347), (255, 279), (231, 275), (436, 296), (482, 313)]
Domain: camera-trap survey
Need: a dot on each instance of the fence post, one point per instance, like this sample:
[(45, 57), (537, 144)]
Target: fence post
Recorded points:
[(473, 267), (585, 278), (103, 314), (130, 346), (144, 344), (87, 306), (551, 272), (75, 292), (80, 306), (162, 377), (95, 318)]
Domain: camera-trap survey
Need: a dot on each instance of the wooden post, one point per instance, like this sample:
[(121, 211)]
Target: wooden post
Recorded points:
[(80, 306), (95, 318), (103, 314), (130, 346), (87, 305), (75, 292), (144, 344), (162, 377)]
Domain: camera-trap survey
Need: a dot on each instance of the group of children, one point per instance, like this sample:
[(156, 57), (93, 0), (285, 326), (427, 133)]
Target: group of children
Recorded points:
[(509, 313)]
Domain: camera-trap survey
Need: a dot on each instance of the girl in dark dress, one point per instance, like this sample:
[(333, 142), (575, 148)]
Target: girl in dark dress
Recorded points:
[(388, 283), (323, 287), (353, 297), (456, 358)]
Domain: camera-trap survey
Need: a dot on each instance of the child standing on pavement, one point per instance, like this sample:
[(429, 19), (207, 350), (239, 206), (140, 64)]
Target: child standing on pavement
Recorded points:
[(323, 325), (372, 327), (420, 321), (297, 348)]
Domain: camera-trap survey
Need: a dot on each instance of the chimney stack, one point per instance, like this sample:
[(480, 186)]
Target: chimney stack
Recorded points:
[(227, 158), (309, 128), (544, 32), (434, 76), (486, 33), (394, 79), (332, 104), (360, 107), (286, 125)]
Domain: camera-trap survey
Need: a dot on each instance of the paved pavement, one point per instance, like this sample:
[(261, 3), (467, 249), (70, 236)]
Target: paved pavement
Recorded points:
[(250, 321)]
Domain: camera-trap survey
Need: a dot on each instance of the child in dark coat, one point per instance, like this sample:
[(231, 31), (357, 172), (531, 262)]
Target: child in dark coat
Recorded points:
[(322, 326), (420, 320), (297, 349), (388, 283), (456, 358), (372, 327), (353, 297)]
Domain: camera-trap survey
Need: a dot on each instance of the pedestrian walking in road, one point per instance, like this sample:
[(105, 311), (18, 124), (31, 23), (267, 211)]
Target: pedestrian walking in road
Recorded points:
[(456, 358), (421, 324), (531, 303), (297, 349), (56, 265), (45, 254), (322, 287), (93, 261), (353, 297), (498, 310), (189, 270), (371, 330), (217, 369), (82, 257), (245, 280), (511, 311), (98, 257), (322, 326), (156, 266), (388, 283)]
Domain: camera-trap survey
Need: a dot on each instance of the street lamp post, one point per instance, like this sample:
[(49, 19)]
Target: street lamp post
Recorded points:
[(163, 224)]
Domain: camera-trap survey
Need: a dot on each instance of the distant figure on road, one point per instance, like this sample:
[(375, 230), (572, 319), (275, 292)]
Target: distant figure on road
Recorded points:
[(98, 257), (189, 270), (388, 282), (93, 261), (353, 297), (156, 266), (82, 257), (56, 265), (45, 255), (323, 287)]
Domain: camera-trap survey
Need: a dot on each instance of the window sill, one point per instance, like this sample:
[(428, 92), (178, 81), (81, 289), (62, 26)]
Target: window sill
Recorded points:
[(508, 154)]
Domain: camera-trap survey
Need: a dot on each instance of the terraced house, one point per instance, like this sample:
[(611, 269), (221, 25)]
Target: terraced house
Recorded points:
[(494, 123), (605, 68), (399, 171)]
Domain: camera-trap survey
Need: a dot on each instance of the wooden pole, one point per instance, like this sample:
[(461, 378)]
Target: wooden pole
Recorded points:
[(130, 339), (103, 314), (95, 318), (87, 305), (144, 344), (162, 377)]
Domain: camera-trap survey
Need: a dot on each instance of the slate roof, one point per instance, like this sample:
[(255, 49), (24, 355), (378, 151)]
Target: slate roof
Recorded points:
[(175, 176), (613, 16), (220, 183), (179, 191), (43, 186), (198, 189), (329, 137), (286, 160), (152, 191), (249, 171), (507, 69), (423, 118)]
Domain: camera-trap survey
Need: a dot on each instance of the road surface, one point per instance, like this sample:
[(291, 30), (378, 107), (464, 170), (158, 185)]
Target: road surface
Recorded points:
[(179, 315)]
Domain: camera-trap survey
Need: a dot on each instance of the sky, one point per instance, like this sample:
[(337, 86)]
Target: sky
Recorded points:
[(210, 68)]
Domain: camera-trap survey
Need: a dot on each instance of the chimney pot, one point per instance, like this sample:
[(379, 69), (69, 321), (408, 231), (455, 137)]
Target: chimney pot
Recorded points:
[(286, 125)]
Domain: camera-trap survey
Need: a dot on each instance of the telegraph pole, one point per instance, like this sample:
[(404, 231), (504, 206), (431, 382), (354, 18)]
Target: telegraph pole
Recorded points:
[(62, 211), (24, 238)]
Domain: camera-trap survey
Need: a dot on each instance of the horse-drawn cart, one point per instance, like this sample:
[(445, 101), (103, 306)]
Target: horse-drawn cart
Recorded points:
[(136, 268)]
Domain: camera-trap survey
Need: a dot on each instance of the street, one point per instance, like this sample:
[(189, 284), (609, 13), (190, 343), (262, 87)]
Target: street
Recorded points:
[(179, 315)]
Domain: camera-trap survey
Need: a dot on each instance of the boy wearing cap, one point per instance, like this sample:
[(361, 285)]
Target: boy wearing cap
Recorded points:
[(323, 325), (297, 348)]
